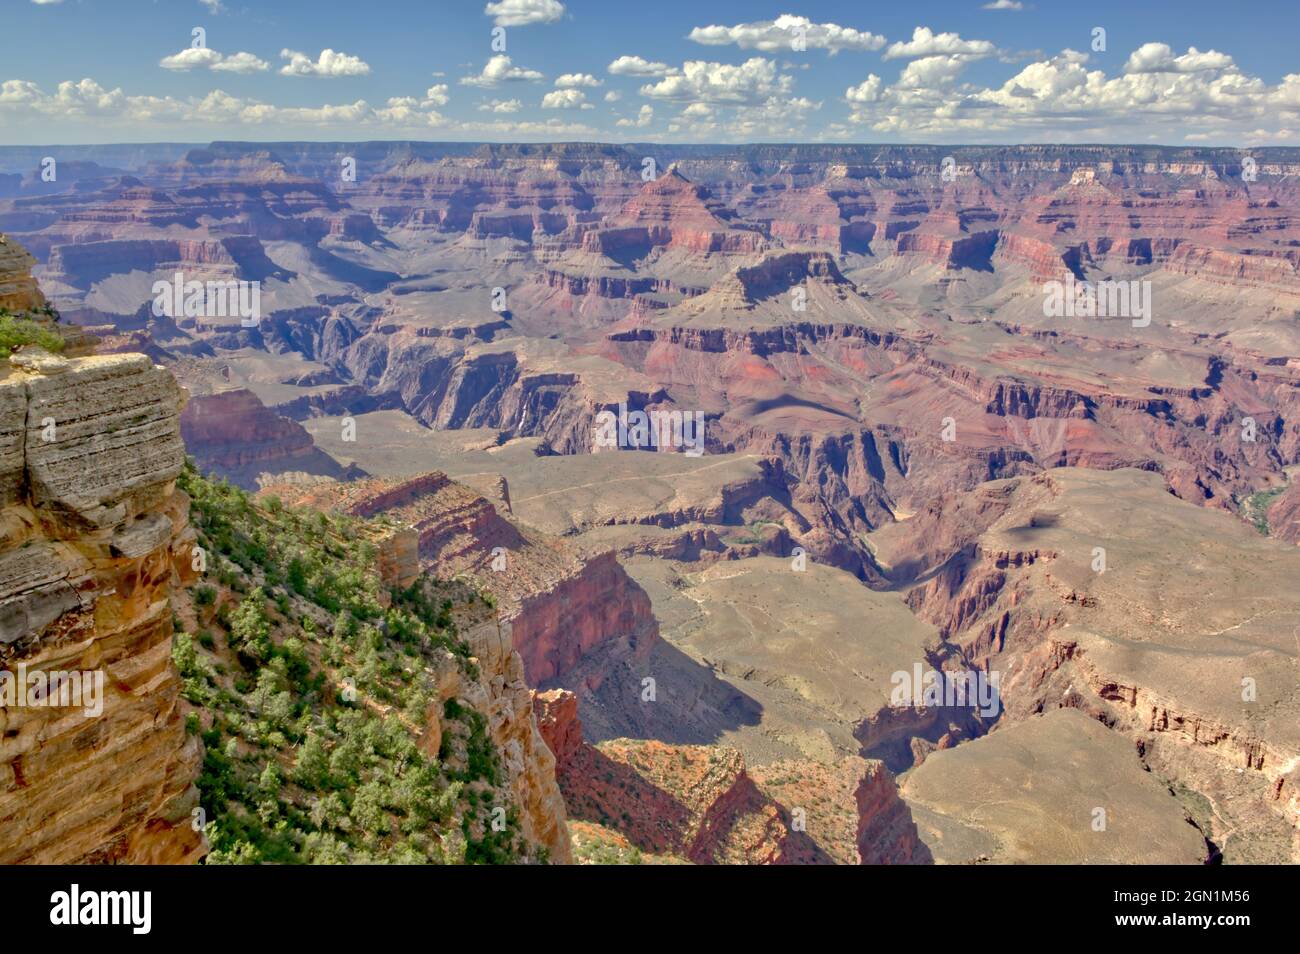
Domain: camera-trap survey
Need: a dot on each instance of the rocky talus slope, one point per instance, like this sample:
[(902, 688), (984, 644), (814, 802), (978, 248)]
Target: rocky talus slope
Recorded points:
[(93, 541)]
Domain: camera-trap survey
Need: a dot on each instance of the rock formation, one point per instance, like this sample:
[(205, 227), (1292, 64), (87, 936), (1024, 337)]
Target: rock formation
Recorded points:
[(234, 435), (701, 803), (18, 289), (95, 539)]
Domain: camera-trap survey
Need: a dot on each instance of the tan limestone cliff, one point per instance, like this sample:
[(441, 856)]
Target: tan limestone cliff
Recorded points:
[(93, 536)]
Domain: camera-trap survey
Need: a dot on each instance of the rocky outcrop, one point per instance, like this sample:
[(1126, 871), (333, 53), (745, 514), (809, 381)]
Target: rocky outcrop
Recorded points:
[(502, 695), (671, 211), (234, 435), (702, 803), (848, 812), (93, 538), (18, 290)]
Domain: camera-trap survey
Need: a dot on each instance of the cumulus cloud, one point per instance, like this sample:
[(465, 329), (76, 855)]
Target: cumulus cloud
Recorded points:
[(194, 58), (868, 91), (87, 99), (329, 63), (699, 81), (214, 6), (636, 66), (1003, 5), (925, 42), (772, 35), (436, 95), (931, 71), (613, 96), (1159, 58), (500, 69), (643, 118), (1196, 96), (573, 80), (566, 99), (501, 106), (202, 58), (242, 63), (512, 13)]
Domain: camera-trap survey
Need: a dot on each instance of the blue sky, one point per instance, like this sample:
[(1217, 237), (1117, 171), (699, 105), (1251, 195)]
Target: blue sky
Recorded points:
[(83, 71)]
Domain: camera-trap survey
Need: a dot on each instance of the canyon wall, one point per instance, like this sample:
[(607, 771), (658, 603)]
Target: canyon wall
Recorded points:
[(93, 537)]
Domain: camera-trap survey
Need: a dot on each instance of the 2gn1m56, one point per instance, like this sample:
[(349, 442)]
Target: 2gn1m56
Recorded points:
[(1212, 895)]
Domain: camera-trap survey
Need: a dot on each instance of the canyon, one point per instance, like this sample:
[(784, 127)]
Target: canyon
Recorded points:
[(907, 462)]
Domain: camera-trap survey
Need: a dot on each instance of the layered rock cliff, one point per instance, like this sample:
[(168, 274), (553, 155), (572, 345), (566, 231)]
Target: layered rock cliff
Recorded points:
[(93, 542), (18, 290)]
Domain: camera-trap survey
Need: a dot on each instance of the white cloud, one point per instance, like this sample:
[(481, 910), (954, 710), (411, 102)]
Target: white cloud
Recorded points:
[(925, 42), (530, 129), (774, 117), (1160, 96), (501, 106), (194, 58), (500, 69), (613, 96), (636, 66), (1159, 58), (436, 95), (643, 118), (566, 99), (698, 81), (241, 63), (1003, 5), (46, 3), (202, 58), (512, 13), (214, 6), (931, 71), (868, 91), (329, 63), (774, 35), (573, 80)]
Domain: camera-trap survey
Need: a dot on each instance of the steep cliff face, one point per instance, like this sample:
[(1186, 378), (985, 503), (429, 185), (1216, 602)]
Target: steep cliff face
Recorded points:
[(93, 540), (233, 434), (18, 290), (503, 696)]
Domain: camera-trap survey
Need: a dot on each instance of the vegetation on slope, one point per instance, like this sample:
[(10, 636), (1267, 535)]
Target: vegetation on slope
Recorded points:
[(311, 683), (1255, 508), (18, 329)]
